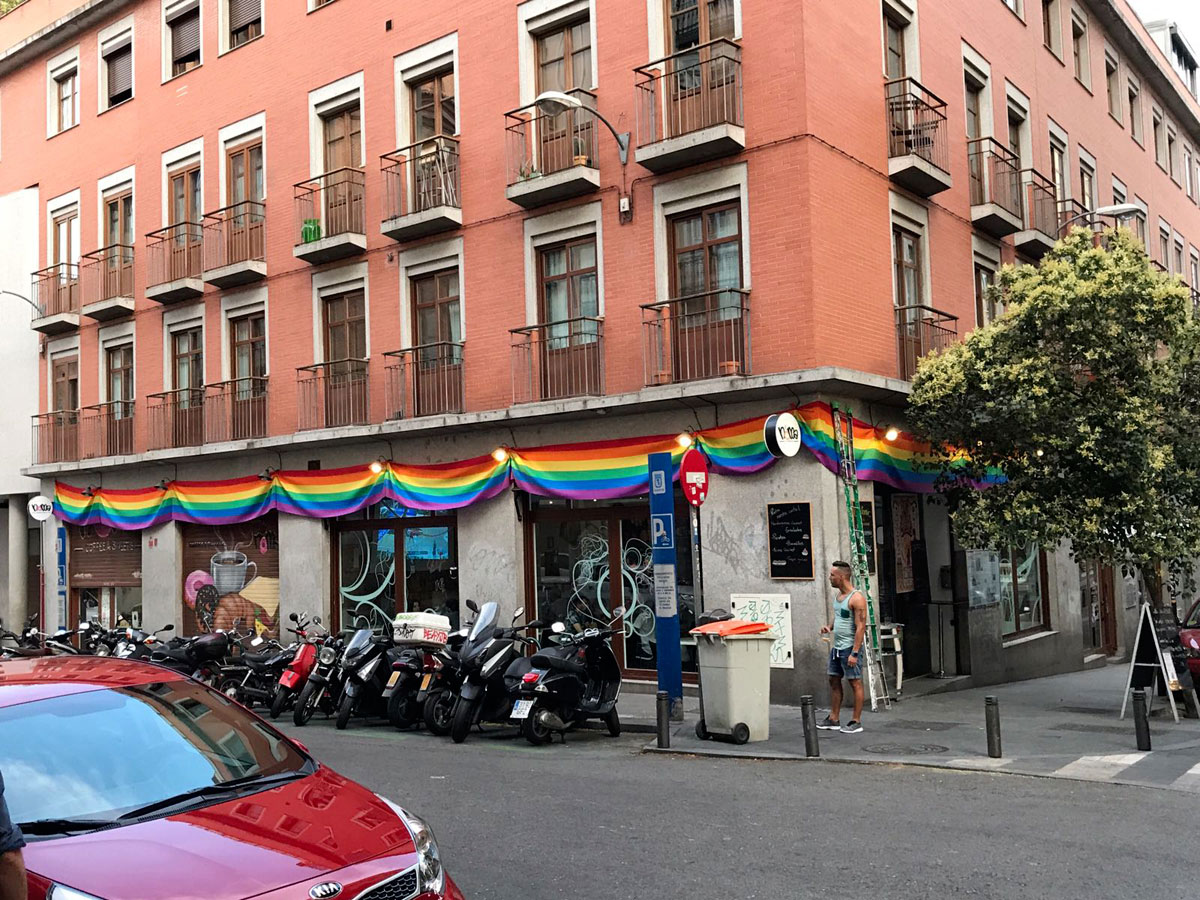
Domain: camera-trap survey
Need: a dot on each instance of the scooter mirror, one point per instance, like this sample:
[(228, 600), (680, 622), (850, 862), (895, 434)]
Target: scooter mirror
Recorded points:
[(317, 620), (167, 628), (558, 628), (84, 626), (473, 606), (294, 617)]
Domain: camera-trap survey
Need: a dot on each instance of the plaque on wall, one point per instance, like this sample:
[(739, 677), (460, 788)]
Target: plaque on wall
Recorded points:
[(789, 540)]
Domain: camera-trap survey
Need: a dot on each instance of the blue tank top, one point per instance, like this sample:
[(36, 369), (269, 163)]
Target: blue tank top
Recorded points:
[(843, 622)]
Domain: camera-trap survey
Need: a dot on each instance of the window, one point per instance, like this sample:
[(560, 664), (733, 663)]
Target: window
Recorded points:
[(1079, 49), (66, 94), (1194, 280), (245, 174), (564, 55), (248, 347), (694, 22), (1016, 129), (66, 238), (245, 21), (1172, 154), (706, 250), (893, 50), (567, 279), (433, 106), (345, 326), (1052, 26), (1023, 601), (1112, 81), (187, 355), (907, 253), (1135, 111), (66, 384), (972, 109), (1188, 173), (118, 73), (184, 39), (1014, 5), (343, 139), (1058, 169), (185, 196), (436, 311), (1087, 184), (1164, 246), (1160, 145), (118, 219), (985, 309), (1139, 223), (1177, 260), (119, 365), (1118, 192)]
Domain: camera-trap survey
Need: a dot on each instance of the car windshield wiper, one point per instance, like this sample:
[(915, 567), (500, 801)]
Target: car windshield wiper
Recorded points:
[(233, 786), (62, 826)]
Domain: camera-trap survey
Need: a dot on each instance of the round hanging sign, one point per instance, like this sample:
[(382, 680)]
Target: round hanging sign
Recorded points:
[(781, 433), (693, 476), (41, 508)]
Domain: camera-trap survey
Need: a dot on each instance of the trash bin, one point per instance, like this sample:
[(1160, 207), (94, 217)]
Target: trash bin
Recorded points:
[(735, 680)]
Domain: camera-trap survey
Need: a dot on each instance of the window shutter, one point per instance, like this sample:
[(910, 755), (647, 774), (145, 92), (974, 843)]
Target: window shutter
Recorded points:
[(120, 71), (243, 12), (185, 35)]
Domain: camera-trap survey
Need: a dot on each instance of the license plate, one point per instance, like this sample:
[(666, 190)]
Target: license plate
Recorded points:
[(393, 679), (425, 681), (256, 642), (521, 709)]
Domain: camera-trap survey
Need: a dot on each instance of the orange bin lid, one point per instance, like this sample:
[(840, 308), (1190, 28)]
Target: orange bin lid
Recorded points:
[(732, 626)]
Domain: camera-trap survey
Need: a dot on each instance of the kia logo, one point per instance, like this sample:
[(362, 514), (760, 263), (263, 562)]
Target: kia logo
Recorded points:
[(324, 890)]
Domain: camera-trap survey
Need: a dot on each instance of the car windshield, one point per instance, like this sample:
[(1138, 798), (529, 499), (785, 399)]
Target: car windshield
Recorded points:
[(102, 753), (487, 618)]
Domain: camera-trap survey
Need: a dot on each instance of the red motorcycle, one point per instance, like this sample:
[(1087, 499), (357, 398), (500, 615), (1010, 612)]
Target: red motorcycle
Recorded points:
[(296, 674)]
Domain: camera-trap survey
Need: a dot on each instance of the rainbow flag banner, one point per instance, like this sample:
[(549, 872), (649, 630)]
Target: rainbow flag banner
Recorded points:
[(595, 470)]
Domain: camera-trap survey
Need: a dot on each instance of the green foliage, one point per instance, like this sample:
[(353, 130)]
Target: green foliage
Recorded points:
[(6, 5), (1085, 393)]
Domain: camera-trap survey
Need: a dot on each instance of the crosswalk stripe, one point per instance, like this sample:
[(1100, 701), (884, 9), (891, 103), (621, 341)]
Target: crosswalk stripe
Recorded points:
[(978, 762), (1189, 780), (1098, 768)]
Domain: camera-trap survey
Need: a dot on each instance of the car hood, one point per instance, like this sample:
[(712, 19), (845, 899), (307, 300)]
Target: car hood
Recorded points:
[(239, 848)]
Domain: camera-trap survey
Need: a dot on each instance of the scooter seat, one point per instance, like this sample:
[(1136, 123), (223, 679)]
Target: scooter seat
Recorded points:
[(546, 660)]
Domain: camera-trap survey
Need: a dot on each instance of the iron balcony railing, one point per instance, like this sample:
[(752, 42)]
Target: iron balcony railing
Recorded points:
[(174, 253), (919, 330), (106, 429), (560, 359), (1041, 208), (537, 144), (420, 176), (176, 418), (995, 175), (333, 394), (236, 410), (107, 274), (698, 88), (56, 436), (1161, 267), (1069, 210), (916, 121), (699, 336), (425, 380), (235, 234), (330, 205), (56, 290)]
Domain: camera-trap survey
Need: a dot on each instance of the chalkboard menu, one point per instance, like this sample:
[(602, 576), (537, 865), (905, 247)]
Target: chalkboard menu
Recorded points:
[(789, 540), (1166, 629)]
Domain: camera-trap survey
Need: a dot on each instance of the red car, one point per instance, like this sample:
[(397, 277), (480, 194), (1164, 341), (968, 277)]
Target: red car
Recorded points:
[(130, 781), (1189, 636)]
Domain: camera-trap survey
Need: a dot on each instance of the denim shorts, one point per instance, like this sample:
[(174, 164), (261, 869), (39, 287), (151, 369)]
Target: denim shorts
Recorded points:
[(839, 668)]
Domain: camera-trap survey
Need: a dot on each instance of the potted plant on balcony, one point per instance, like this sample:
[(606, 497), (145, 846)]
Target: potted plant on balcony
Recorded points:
[(581, 157), (528, 170)]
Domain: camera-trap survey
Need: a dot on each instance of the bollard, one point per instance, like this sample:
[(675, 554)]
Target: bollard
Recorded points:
[(1141, 723), (811, 746), (991, 710), (663, 719)]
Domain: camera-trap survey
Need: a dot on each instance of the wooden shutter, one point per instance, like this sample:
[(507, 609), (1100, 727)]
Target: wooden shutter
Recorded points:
[(185, 34), (120, 71), (104, 557), (243, 12)]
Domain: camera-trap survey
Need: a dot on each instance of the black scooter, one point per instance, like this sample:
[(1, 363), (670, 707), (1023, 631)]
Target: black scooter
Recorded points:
[(199, 657), (441, 683), (575, 680), (366, 667)]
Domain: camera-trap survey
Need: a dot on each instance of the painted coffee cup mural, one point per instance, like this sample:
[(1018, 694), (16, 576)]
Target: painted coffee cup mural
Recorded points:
[(231, 573)]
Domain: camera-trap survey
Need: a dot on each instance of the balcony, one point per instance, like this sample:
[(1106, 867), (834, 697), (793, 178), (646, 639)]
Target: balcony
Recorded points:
[(1041, 215), (330, 220), (56, 437), (1071, 211), (995, 179), (56, 295), (106, 276), (234, 245), (174, 271), (689, 107), (332, 395), (558, 360), (176, 418), (426, 380), (920, 330), (551, 158), (106, 429), (235, 410), (918, 139), (421, 190), (695, 337)]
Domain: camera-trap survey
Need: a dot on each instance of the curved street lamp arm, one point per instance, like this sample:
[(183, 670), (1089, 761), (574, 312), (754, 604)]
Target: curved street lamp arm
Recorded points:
[(22, 297)]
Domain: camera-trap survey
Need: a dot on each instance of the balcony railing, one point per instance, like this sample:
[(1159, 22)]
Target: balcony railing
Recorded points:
[(1041, 208), (916, 121), (558, 359), (107, 274), (236, 410), (56, 437), (174, 253), (1069, 210), (333, 394), (919, 330), (426, 380), (56, 290), (106, 429), (995, 175), (176, 418), (330, 205), (421, 177), (690, 91), (537, 144), (234, 234), (699, 336), (1159, 266)]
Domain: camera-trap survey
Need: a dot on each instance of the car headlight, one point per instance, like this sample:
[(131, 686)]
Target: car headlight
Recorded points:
[(62, 892), (429, 861)]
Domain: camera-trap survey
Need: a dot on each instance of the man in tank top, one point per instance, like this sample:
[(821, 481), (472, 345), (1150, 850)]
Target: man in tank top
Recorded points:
[(848, 630)]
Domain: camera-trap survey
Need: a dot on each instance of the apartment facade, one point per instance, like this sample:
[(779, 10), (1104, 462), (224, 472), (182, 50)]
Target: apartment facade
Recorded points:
[(256, 259)]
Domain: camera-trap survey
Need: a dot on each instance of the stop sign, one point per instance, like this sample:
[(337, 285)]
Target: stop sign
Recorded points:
[(693, 476)]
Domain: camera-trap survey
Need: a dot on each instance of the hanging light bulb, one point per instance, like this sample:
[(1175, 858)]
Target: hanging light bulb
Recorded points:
[(1040, 452), (376, 467), (892, 433), (500, 454), (684, 440)]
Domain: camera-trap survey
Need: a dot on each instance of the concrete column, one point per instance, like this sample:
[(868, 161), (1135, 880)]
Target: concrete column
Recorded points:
[(162, 578), (491, 556), (17, 569), (304, 580)]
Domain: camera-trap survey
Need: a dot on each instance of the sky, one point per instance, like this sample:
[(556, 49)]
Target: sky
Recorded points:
[(1185, 12)]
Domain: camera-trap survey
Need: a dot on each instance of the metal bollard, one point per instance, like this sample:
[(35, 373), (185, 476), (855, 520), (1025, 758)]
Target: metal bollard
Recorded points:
[(663, 719), (809, 715), (991, 711), (1141, 722)]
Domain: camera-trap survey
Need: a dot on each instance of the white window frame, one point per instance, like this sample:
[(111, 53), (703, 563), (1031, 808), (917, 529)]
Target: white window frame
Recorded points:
[(914, 217), (536, 16), (1189, 171), (1056, 32), (58, 67), (234, 305), (1016, 7), (434, 257), (1059, 137), (1111, 56), (177, 158), (108, 40), (554, 228), (55, 208), (110, 337), (181, 319), (983, 253), (1079, 16), (979, 70), (1120, 193), (1178, 252), (1173, 152), (56, 349), (336, 281), (1137, 118), (1158, 121), (232, 135), (1087, 160), (223, 43), (906, 14), (412, 66), (1164, 229), (327, 99), (1193, 267), (1018, 102), (117, 182), (171, 9)]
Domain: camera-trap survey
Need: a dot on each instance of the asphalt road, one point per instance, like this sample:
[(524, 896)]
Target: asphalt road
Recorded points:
[(597, 819)]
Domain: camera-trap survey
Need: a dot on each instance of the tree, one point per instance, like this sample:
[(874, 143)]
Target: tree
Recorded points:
[(6, 5), (1085, 394)]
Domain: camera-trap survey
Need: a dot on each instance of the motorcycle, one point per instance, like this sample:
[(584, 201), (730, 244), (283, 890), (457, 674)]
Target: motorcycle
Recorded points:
[(251, 674), (134, 643), (366, 665), (25, 643), (291, 682), (200, 656), (575, 680), (441, 683), (324, 683), (415, 637)]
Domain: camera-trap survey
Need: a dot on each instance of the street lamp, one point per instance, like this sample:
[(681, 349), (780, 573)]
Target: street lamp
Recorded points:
[(1117, 211), (554, 103), (22, 297)]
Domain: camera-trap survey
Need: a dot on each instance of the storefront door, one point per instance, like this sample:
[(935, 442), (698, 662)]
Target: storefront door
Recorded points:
[(1097, 607), (904, 593), (104, 575)]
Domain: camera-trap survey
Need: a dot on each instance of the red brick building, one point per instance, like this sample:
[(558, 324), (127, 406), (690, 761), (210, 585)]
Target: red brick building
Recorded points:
[(317, 235)]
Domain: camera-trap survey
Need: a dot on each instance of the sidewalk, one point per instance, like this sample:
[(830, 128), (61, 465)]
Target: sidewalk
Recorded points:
[(1065, 726)]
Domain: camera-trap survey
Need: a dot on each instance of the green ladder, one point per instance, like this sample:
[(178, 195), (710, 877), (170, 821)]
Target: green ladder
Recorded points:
[(843, 430)]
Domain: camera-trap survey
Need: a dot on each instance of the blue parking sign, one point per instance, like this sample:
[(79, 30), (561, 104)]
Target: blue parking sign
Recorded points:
[(662, 531)]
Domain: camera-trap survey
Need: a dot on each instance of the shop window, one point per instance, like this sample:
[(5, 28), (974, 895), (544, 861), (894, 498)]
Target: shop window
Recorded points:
[(1024, 604)]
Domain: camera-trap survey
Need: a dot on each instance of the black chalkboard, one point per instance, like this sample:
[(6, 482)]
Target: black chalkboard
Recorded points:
[(1166, 630), (1158, 627), (789, 540)]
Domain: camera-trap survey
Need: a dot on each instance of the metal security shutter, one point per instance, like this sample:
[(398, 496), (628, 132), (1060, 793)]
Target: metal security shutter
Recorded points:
[(185, 35), (243, 12), (120, 71), (104, 557)]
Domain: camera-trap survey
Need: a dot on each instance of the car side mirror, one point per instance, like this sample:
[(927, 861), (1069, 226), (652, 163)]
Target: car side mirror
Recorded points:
[(473, 606), (558, 628)]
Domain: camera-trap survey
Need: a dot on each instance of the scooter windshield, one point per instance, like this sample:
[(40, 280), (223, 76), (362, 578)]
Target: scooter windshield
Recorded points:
[(361, 638), (486, 619)]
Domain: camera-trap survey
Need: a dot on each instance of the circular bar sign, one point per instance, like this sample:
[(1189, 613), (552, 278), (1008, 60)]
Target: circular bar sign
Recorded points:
[(40, 508), (781, 434), (693, 476)]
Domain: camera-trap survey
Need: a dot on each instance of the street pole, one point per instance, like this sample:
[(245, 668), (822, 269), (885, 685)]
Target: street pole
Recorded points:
[(666, 606), (699, 558)]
